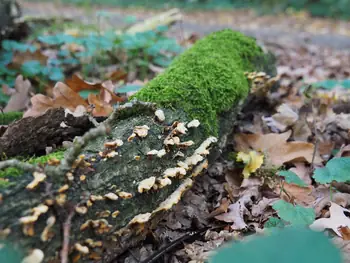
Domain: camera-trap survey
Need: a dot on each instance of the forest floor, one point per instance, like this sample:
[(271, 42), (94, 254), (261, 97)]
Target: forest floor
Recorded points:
[(311, 53)]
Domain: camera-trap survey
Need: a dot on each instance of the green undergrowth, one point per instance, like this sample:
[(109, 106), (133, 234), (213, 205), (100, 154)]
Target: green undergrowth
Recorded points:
[(339, 9), (8, 174), (207, 79), (8, 117)]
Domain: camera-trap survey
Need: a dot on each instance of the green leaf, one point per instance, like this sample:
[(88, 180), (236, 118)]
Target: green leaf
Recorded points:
[(128, 88), (130, 19), (31, 68), (85, 93), (337, 169), (11, 45), (56, 74), (6, 58), (288, 245), (274, 222), (291, 178), (330, 84), (162, 61), (9, 254), (58, 39), (296, 215)]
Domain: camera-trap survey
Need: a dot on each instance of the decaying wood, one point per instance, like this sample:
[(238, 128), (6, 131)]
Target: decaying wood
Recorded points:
[(29, 136), (119, 188)]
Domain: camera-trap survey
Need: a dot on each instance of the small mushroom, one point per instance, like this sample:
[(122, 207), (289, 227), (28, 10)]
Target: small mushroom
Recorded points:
[(141, 131), (82, 210), (173, 172), (114, 144), (111, 196), (63, 188), (105, 213), (47, 234), (36, 256), (124, 195), (193, 124), (115, 213), (82, 249), (186, 144), (160, 115), (38, 178), (146, 184), (141, 218), (180, 128), (162, 182), (94, 198)]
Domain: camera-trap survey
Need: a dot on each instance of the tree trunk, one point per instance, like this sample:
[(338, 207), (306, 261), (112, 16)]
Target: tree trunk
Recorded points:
[(93, 209)]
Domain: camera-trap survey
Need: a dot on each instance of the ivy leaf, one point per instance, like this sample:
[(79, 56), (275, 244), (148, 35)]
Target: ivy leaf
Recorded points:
[(56, 74), (337, 169), (9, 254), (291, 178), (31, 68), (128, 88), (289, 245), (296, 215), (274, 222)]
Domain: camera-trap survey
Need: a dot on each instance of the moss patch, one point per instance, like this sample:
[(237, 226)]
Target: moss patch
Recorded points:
[(7, 174), (8, 117), (207, 79)]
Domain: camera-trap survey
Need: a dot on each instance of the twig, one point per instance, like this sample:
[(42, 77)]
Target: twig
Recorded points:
[(74, 151), (19, 165), (66, 233), (174, 244)]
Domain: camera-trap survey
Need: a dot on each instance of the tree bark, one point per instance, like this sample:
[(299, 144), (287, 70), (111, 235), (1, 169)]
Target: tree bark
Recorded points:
[(93, 209)]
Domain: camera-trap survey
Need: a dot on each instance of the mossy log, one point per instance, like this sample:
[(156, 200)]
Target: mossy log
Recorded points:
[(97, 207)]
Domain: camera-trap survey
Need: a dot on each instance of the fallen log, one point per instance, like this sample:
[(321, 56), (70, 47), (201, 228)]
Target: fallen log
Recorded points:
[(93, 207)]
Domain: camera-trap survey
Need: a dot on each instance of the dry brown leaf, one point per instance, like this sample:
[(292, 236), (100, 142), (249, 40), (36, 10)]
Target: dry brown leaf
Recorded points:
[(63, 97), (77, 84), (20, 58), (301, 195), (302, 172), (106, 88), (20, 98), (221, 209), (276, 148), (100, 108)]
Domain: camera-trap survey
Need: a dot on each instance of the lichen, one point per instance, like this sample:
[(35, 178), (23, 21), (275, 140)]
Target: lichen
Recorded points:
[(207, 79)]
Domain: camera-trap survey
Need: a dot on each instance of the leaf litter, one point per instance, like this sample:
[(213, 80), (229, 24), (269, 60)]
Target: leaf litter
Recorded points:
[(279, 168)]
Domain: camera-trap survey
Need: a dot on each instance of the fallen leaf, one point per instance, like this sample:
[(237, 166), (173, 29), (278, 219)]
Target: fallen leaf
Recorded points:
[(300, 195), (22, 57), (63, 97), (276, 148), (252, 161), (285, 117), (302, 171), (99, 107), (20, 98), (336, 220), (221, 209)]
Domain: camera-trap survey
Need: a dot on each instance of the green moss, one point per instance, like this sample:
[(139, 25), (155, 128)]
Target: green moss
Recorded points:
[(208, 78), (43, 159), (8, 117), (11, 173)]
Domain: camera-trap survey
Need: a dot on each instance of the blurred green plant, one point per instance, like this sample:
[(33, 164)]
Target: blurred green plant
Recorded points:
[(324, 8), (288, 245), (92, 51)]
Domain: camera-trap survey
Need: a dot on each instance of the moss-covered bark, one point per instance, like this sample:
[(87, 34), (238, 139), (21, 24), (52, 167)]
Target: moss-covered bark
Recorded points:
[(125, 181)]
